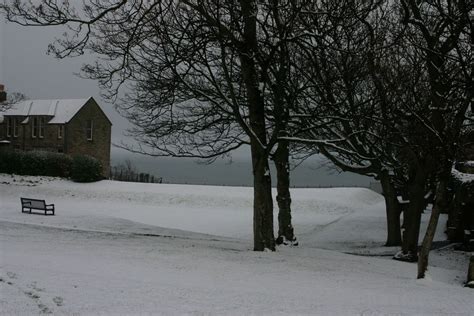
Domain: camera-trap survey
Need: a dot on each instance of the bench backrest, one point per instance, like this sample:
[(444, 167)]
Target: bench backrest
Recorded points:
[(41, 204)]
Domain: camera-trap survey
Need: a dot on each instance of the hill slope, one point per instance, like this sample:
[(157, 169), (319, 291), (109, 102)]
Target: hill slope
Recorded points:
[(120, 248)]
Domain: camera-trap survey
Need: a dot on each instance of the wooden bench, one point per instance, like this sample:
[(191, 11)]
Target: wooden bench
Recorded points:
[(33, 204)]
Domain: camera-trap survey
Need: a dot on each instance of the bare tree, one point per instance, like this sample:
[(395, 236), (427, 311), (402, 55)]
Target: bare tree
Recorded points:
[(11, 99), (350, 109), (3, 94), (371, 108), (200, 74), (444, 37), (128, 172)]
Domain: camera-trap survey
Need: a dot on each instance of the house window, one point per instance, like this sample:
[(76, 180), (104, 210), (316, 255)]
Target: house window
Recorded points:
[(34, 127), (9, 127), (60, 131), (41, 127), (89, 129), (15, 127)]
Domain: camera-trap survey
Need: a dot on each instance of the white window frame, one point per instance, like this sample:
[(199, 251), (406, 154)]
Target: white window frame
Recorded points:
[(41, 127), (60, 131), (15, 127), (9, 127), (34, 127), (89, 130)]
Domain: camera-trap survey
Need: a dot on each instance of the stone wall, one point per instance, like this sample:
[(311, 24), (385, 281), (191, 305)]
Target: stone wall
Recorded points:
[(76, 138), (25, 141), (49, 141)]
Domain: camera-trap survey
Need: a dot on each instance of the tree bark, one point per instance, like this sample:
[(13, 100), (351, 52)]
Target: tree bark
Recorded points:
[(431, 229), (263, 202), (285, 227), (470, 273), (394, 235), (412, 218)]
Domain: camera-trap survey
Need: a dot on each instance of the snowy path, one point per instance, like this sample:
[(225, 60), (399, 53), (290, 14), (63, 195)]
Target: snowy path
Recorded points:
[(98, 256)]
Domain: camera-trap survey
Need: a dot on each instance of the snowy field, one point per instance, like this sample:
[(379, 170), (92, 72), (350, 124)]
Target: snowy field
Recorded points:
[(127, 248)]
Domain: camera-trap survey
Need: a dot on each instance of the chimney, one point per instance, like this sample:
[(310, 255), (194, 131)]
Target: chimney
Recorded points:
[(3, 94)]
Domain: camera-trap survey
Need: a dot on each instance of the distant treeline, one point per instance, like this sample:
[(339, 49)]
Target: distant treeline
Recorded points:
[(128, 172)]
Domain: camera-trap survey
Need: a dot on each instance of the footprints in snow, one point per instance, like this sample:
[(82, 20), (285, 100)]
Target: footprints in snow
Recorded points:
[(2, 280), (35, 296), (33, 292), (58, 301), (11, 276)]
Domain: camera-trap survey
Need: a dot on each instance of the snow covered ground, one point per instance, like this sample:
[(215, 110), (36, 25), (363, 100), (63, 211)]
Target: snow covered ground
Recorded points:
[(129, 248)]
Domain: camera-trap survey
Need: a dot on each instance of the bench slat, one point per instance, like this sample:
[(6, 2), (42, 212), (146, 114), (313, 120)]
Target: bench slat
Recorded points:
[(36, 204)]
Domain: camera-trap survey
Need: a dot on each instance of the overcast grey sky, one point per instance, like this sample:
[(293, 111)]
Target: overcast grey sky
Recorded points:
[(2, 43), (25, 67)]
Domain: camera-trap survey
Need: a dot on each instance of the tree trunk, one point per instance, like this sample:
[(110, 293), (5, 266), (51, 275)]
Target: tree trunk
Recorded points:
[(412, 231), (394, 235), (431, 229), (256, 130), (412, 218), (262, 203), (470, 273), (285, 228)]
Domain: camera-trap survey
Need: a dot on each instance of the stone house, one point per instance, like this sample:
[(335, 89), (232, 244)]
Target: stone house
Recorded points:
[(73, 127)]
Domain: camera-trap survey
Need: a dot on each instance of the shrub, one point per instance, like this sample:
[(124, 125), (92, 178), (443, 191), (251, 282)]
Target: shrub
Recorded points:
[(35, 163), (58, 165), (10, 161), (81, 168), (86, 169)]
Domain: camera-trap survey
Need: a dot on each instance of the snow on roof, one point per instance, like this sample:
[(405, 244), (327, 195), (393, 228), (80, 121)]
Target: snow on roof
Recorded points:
[(66, 109), (469, 163), (462, 177), (62, 111)]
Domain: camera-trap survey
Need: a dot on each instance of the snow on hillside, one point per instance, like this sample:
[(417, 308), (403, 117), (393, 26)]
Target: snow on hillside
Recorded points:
[(129, 248), (216, 210)]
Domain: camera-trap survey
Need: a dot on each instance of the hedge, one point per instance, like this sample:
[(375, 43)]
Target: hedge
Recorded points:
[(42, 163)]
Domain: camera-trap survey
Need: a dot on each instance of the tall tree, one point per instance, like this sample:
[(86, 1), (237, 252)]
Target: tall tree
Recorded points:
[(443, 35), (350, 110), (199, 74)]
